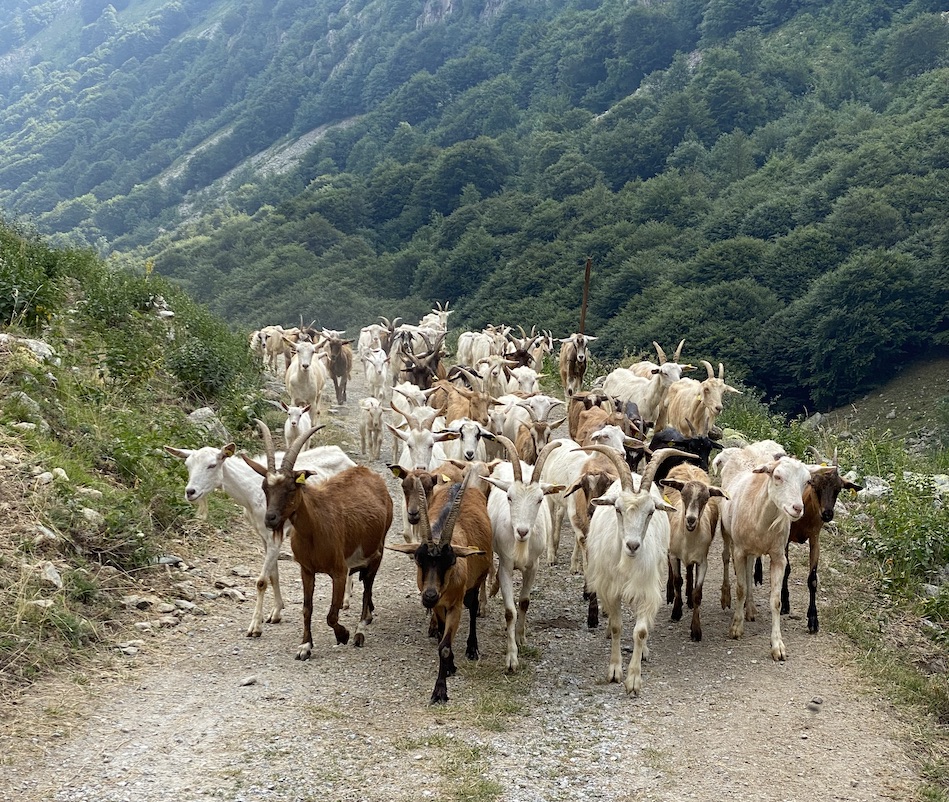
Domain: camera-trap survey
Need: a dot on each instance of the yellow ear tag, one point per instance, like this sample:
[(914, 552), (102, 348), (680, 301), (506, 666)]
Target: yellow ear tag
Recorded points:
[(301, 479), (665, 498), (445, 478)]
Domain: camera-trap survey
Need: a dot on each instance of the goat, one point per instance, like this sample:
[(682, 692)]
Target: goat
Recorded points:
[(649, 394), (573, 362), (306, 377), (376, 364), (339, 528), (532, 437), (452, 570), (691, 403), (298, 421), (693, 526), (627, 549), (340, 363), (579, 402), (670, 437), (521, 524), (820, 498), (645, 368), (370, 427), (756, 519), (212, 468)]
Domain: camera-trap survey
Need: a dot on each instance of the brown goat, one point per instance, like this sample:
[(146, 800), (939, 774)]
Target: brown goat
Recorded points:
[(453, 561), (579, 402), (531, 439), (692, 527), (339, 527), (340, 363)]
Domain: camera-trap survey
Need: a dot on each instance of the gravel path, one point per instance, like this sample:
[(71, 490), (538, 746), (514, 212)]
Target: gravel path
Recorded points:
[(201, 712)]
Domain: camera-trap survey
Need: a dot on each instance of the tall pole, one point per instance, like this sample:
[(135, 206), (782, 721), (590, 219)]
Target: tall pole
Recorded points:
[(586, 295)]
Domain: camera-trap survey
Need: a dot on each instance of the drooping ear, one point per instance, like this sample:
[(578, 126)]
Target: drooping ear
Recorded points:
[(549, 490), (675, 484), (573, 488), (717, 491), (603, 502), (405, 548), (729, 389), (466, 551), (397, 471), (661, 505), (181, 453)]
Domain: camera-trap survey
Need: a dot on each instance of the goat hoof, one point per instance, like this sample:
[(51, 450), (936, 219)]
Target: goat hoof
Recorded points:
[(696, 636), (359, 640), (253, 633), (342, 638)]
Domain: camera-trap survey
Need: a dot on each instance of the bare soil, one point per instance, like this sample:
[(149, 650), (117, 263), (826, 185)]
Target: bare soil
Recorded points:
[(201, 712)]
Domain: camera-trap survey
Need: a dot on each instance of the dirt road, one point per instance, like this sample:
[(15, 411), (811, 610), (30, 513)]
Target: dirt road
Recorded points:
[(201, 712)]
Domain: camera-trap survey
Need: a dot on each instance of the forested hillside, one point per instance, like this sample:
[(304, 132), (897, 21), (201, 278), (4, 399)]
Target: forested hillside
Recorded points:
[(766, 179)]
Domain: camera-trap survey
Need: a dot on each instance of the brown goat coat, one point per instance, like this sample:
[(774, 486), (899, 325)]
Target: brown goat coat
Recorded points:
[(339, 527), (694, 500), (463, 583)]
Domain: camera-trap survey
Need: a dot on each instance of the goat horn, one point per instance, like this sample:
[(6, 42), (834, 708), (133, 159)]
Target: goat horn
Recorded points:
[(542, 458), (291, 456), (409, 419), (660, 352), (268, 445), (512, 455), (657, 459), (678, 352), (425, 525), (721, 371), (622, 469), (449, 525), (708, 368)]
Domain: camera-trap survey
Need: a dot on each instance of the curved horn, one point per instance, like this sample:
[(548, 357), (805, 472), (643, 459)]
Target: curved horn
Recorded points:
[(425, 525), (542, 458), (721, 371), (622, 469), (410, 419), (455, 510), (291, 456), (268, 445), (678, 353), (660, 352), (708, 368), (657, 459), (512, 455)]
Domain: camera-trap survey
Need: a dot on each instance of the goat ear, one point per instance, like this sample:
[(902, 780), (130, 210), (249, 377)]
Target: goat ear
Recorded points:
[(602, 502), (405, 548), (181, 453), (396, 432), (447, 435), (717, 491), (397, 471), (661, 505), (500, 484), (229, 450), (549, 490), (466, 551), (675, 484)]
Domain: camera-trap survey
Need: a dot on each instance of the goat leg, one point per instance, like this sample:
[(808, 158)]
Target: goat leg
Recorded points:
[(332, 617), (306, 646)]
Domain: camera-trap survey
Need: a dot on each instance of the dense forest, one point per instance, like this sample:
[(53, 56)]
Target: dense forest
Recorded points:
[(766, 179)]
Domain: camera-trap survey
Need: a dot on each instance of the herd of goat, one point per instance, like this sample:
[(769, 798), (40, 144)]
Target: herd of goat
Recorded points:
[(485, 485)]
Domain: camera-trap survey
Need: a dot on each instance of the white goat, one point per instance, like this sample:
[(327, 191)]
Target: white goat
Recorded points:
[(297, 422), (370, 427), (756, 520), (306, 376), (212, 468), (376, 363), (521, 524), (626, 558), (695, 404)]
